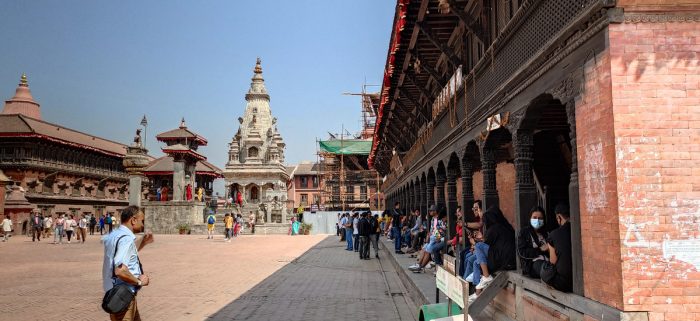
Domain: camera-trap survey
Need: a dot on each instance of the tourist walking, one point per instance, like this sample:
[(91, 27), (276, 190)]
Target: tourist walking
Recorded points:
[(211, 219), (294, 228), (121, 264), (93, 223), (82, 228), (102, 224), (6, 228), (58, 225), (239, 225), (48, 225), (69, 227), (37, 224)]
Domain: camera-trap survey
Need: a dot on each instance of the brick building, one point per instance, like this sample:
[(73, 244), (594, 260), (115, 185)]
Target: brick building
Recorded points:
[(523, 103), (60, 170), (305, 188)]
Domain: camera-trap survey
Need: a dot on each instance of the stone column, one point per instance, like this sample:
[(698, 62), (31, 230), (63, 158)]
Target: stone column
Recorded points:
[(416, 195), (451, 202), (440, 188), (467, 191), (525, 190), (134, 162), (574, 211), (178, 179), (488, 168)]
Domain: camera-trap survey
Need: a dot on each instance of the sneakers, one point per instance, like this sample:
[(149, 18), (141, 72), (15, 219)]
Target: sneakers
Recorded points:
[(431, 265), (419, 270), (485, 281), (376, 255), (472, 298), (399, 252), (414, 266), (470, 278)]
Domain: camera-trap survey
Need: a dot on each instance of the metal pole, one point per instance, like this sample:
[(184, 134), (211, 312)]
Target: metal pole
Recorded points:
[(342, 172)]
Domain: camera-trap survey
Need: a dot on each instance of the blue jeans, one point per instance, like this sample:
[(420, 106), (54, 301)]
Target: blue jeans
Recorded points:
[(397, 238), (469, 259), (481, 252), (348, 238), (435, 251), (407, 238)]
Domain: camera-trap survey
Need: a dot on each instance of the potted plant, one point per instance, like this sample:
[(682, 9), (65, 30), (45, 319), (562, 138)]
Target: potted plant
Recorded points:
[(183, 228), (306, 228)]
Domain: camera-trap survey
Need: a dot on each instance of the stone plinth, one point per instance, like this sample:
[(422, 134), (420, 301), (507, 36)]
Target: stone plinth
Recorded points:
[(134, 162), (164, 217), (272, 228), (18, 208)]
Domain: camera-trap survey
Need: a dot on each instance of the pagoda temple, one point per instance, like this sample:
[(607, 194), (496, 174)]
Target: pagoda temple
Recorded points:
[(255, 167)]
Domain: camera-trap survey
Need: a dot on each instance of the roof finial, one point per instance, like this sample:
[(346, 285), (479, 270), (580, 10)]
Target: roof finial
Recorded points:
[(23, 80), (182, 123), (258, 67)]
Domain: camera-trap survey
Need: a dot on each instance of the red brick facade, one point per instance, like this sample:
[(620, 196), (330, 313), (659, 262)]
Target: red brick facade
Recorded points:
[(655, 70)]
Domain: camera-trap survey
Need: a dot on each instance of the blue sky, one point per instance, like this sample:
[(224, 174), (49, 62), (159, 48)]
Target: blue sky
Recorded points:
[(98, 66)]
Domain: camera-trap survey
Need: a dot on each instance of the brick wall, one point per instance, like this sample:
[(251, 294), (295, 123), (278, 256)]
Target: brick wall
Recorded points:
[(656, 104), (598, 184), (505, 184)]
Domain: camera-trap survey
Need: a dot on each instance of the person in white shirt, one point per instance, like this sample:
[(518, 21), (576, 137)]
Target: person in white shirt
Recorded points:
[(69, 226), (355, 232), (6, 227), (82, 228), (48, 224)]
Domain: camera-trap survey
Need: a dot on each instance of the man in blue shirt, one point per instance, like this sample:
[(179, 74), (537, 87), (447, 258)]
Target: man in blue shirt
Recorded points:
[(125, 264), (396, 218)]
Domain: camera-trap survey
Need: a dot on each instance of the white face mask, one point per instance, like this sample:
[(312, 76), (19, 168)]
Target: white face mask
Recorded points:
[(536, 223)]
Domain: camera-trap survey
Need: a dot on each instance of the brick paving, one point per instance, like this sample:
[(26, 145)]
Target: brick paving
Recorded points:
[(274, 277)]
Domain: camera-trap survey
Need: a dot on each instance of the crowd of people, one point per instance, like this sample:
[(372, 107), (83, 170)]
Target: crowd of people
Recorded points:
[(62, 226), (490, 245)]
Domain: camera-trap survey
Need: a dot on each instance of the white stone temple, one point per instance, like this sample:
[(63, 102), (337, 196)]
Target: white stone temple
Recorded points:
[(256, 158)]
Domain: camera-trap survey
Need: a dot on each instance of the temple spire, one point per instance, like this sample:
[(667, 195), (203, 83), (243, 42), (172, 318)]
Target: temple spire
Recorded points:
[(22, 103), (182, 123), (258, 67)]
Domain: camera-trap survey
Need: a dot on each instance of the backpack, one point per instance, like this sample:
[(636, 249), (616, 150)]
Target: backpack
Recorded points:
[(211, 219)]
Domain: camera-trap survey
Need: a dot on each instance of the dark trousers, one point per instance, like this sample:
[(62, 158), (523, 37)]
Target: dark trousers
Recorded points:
[(364, 247), (36, 232), (110, 228), (397, 238), (356, 244), (92, 229), (374, 239), (69, 234)]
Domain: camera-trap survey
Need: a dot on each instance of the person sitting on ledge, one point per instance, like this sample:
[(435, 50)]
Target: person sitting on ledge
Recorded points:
[(496, 253), (532, 244), (558, 274), (436, 240)]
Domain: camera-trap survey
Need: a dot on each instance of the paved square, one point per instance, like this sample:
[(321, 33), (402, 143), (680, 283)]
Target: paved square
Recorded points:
[(252, 278)]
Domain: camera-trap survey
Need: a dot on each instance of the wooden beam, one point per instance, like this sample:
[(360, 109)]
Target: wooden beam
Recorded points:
[(430, 70), (432, 37), (468, 20), (412, 79), (417, 110), (404, 93)]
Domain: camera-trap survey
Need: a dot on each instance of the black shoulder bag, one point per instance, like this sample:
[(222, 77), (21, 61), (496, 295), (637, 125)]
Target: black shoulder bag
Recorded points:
[(118, 298)]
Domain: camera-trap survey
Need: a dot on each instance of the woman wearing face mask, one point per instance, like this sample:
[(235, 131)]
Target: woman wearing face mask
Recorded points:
[(532, 244)]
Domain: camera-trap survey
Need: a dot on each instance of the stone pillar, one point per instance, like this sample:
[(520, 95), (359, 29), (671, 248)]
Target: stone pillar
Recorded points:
[(134, 162), (451, 202), (525, 190), (574, 212), (440, 188), (4, 180), (488, 168), (467, 191), (178, 179)]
